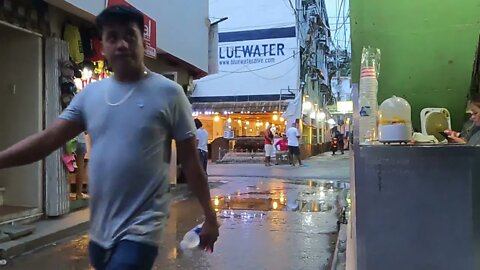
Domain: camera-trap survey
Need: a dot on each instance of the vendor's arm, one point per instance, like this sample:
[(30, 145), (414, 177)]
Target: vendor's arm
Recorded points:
[(454, 137), (277, 143)]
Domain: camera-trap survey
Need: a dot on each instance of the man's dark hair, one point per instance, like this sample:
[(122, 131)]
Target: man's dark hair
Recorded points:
[(119, 15), (475, 99), (198, 123)]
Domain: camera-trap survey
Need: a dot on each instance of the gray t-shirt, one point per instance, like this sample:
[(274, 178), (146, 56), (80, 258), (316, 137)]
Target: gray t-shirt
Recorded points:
[(474, 137), (130, 154)]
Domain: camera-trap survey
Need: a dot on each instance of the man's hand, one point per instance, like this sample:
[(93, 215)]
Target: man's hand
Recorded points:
[(40, 145), (209, 234), (454, 137), (452, 133), (198, 182)]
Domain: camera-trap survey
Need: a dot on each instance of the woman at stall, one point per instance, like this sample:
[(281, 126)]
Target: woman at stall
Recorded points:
[(473, 137)]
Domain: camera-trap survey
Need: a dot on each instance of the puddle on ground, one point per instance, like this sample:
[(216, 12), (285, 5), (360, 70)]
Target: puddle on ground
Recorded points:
[(304, 196), (322, 184)]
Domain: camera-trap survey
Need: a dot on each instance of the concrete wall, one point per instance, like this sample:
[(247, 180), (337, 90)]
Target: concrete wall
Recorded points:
[(342, 85), (20, 111), (182, 28), (92, 6), (427, 47), (161, 66)]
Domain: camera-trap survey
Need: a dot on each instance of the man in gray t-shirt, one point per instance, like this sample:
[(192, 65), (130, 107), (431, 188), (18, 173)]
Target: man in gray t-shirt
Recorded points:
[(131, 119), (129, 161)]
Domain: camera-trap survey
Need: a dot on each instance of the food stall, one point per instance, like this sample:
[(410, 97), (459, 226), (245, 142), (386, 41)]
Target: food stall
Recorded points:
[(415, 205)]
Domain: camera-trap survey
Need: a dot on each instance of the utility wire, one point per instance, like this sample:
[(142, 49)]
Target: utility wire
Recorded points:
[(274, 78)]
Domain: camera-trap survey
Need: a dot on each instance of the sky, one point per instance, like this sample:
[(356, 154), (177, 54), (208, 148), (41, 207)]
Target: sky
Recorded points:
[(339, 22)]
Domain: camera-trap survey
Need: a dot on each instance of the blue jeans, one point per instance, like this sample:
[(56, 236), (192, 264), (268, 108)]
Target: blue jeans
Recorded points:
[(126, 255), (203, 159)]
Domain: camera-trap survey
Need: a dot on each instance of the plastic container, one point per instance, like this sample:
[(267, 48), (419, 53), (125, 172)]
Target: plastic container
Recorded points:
[(368, 89), (368, 119), (395, 120), (191, 239)]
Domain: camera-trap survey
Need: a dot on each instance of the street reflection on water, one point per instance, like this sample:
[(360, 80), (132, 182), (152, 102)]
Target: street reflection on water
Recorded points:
[(265, 224), (275, 200)]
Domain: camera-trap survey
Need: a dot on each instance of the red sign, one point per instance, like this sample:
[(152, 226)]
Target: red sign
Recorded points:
[(149, 31)]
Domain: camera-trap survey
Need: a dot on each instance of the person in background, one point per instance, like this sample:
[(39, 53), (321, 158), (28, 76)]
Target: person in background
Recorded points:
[(333, 141), (80, 174), (269, 151), (340, 142), (202, 144), (293, 136), (131, 118), (472, 135), (347, 135), (282, 148)]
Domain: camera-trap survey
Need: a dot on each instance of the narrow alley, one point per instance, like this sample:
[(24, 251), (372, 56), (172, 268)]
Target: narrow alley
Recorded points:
[(267, 222)]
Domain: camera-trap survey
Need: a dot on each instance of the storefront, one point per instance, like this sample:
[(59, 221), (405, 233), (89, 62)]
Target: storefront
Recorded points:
[(240, 119), (234, 121), (21, 90), (38, 38), (74, 27), (73, 60)]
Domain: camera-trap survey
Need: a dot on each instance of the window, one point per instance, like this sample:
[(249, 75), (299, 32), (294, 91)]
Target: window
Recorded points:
[(171, 75)]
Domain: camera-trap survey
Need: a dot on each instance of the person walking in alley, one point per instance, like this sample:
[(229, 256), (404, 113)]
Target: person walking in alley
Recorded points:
[(202, 144), (340, 140), (131, 118), (293, 136), (269, 151)]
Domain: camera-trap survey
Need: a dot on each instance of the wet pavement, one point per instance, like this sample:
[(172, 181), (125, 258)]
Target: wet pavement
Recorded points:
[(265, 224), (323, 166)]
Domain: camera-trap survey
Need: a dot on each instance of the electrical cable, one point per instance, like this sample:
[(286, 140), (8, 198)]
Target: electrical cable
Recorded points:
[(274, 78)]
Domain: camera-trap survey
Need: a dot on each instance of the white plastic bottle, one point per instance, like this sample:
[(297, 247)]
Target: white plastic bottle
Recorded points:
[(191, 239)]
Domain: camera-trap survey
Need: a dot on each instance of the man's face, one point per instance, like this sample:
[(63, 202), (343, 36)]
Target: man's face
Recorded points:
[(284, 137), (123, 46), (475, 108)]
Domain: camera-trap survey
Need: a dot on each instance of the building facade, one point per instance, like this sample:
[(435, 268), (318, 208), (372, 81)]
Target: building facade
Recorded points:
[(315, 43), (40, 35), (271, 70)]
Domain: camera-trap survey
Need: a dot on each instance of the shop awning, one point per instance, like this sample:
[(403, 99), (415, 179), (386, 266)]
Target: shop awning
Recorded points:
[(238, 107)]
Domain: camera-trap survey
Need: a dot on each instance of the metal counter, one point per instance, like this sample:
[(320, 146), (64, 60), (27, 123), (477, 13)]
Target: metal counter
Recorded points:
[(416, 207)]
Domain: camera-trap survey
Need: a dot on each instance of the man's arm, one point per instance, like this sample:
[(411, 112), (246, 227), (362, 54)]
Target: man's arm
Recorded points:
[(198, 182), (40, 145)]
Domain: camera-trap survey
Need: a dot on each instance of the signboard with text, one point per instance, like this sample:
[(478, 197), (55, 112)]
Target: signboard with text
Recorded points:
[(261, 62), (256, 48), (149, 31)]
